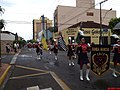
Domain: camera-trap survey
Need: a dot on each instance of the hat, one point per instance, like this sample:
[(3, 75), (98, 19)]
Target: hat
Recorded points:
[(118, 40), (54, 40), (82, 38)]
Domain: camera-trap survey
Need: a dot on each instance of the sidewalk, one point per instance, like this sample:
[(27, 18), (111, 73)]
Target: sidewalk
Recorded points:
[(3, 72)]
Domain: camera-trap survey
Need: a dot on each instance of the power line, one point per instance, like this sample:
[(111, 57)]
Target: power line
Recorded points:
[(18, 22), (52, 5)]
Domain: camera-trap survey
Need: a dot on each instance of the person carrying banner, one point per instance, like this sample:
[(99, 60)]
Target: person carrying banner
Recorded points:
[(55, 49), (81, 51), (116, 57), (70, 52)]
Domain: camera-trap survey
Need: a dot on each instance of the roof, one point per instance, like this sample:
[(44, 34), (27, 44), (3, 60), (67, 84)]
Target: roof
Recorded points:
[(88, 24), (7, 32)]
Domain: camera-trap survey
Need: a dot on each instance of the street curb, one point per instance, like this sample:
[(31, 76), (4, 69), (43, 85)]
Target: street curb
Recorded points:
[(2, 78)]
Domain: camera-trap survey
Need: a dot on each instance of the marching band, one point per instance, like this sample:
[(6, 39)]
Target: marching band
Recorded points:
[(81, 50)]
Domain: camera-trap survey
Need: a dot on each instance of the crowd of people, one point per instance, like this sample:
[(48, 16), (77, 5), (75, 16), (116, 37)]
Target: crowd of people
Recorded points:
[(12, 47)]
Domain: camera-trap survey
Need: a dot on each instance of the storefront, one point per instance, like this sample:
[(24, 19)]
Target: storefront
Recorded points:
[(91, 34)]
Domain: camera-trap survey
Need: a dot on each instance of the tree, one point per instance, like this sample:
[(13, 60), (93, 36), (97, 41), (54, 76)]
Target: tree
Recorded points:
[(2, 22), (1, 10), (112, 24)]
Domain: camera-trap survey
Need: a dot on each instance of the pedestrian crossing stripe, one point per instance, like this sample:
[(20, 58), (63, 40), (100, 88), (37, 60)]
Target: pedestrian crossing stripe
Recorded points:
[(37, 88)]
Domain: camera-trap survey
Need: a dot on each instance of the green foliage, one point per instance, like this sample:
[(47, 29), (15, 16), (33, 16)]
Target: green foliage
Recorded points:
[(112, 24), (2, 23)]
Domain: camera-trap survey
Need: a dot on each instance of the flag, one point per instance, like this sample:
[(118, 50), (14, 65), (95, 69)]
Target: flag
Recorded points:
[(79, 36), (44, 43), (62, 44)]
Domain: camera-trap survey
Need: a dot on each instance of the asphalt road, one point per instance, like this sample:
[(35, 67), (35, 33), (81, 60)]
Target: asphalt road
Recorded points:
[(49, 74)]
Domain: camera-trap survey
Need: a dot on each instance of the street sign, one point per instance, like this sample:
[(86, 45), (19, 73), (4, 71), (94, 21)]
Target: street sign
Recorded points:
[(100, 58)]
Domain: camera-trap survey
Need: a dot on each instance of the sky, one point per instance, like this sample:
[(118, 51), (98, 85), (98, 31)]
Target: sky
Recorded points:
[(19, 14)]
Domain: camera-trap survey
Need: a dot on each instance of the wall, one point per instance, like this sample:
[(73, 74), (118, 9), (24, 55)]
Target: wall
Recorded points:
[(93, 33), (6, 38), (68, 16)]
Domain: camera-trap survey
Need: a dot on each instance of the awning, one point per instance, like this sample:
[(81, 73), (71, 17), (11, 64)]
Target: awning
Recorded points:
[(117, 27)]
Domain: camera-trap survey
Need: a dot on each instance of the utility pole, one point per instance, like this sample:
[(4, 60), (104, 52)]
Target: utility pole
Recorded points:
[(1, 26), (0, 47), (100, 39), (46, 31)]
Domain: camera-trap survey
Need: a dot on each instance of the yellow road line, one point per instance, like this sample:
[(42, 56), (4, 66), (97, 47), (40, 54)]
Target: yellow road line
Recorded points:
[(56, 78), (59, 81), (32, 68), (30, 75), (4, 75), (115, 71)]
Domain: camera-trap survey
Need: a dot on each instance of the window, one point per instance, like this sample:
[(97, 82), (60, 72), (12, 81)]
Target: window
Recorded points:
[(90, 14)]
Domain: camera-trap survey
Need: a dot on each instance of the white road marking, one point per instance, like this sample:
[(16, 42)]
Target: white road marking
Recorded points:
[(37, 88), (14, 58), (47, 89), (25, 55), (33, 88)]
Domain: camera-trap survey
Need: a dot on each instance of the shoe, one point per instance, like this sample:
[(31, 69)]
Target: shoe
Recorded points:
[(81, 75), (69, 64), (81, 78), (114, 75), (55, 58), (87, 73), (39, 58), (88, 79), (73, 63)]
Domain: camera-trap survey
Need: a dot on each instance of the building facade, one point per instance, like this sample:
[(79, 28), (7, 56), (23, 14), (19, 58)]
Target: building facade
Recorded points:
[(66, 16), (91, 33), (38, 25), (6, 37)]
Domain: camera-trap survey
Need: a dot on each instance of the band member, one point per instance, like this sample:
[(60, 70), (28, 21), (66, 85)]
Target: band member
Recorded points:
[(82, 50), (70, 52), (116, 57), (39, 51), (55, 49)]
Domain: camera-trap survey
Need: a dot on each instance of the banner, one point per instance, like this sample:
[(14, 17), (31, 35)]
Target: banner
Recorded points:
[(100, 58), (62, 44), (44, 43)]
